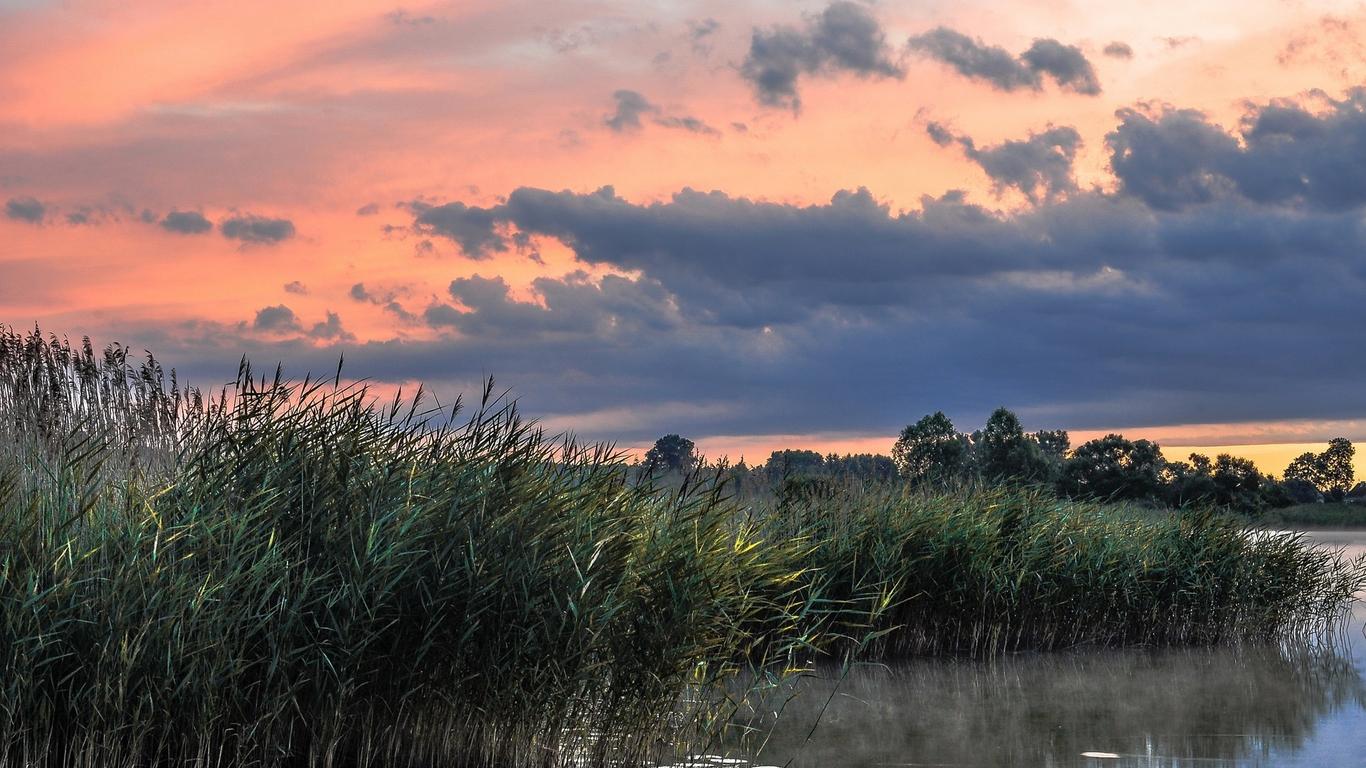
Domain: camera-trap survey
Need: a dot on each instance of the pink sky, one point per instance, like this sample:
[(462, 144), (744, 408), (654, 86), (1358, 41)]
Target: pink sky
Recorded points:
[(338, 120)]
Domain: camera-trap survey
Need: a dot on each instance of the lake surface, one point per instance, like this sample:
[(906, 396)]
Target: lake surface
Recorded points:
[(1213, 707)]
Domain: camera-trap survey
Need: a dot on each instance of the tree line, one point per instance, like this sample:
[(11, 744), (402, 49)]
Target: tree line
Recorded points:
[(932, 451)]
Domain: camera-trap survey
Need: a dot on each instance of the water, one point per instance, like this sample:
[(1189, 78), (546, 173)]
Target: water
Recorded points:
[(1212, 707)]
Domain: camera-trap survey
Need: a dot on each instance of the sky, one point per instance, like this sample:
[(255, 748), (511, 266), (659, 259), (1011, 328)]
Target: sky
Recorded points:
[(759, 224)]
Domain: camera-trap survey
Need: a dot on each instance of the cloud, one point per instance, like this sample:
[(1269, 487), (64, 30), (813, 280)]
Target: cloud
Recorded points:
[(972, 58), (369, 209), (186, 223), (276, 319), (1118, 50), (630, 106), (27, 209), (1039, 166), (844, 38), (687, 123), (700, 33), (1282, 154), (329, 330), (469, 227), (387, 300), (296, 287), (730, 315), (250, 228)]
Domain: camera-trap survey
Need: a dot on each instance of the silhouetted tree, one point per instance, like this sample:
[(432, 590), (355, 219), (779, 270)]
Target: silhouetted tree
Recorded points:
[(1237, 482), (1336, 464), (1054, 443), (1006, 453), (1113, 467), (672, 453), (1330, 472), (931, 450), (794, 463)]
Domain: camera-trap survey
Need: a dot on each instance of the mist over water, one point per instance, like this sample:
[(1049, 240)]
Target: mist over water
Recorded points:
[(1238, 706)]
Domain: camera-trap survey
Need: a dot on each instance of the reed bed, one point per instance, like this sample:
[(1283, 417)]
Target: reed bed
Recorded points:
[(295, 574), (985, 570)]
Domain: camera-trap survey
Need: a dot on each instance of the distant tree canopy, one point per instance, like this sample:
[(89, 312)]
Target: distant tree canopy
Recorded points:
[(672, 453), (1330, 472), (931, 450), (1113, 467), (1006, 453)]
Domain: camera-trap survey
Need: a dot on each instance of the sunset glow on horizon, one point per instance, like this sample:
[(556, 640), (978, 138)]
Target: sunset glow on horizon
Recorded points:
[(756, 224)]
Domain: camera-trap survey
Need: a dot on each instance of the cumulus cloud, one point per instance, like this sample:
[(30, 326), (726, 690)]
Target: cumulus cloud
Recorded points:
[(1039, 166), (369, 209), (1118, 50), (1065, 64), (250, 228), (296, 287), (28, 209), (276, 319), (469, 227), (1282, 154), (186, 223), (1168, 300), (1086, 309), (844, 38), (330, 330)]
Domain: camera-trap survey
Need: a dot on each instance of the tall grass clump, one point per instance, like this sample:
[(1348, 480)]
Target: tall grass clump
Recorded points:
[(293, 574), (978, 571)]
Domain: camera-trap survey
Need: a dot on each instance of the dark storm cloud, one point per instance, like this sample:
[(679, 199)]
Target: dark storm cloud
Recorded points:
[(250, 228), (970, 57), (1118, 50), (186, 223), (845, 37), (1282, 154), (1039, 166), (27, 209)]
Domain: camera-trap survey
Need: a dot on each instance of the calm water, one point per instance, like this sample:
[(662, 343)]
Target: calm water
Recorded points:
[(1225, 707)]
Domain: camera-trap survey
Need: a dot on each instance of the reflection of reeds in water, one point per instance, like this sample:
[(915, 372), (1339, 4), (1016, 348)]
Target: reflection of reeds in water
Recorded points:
[(1168, 707), (289, 573)]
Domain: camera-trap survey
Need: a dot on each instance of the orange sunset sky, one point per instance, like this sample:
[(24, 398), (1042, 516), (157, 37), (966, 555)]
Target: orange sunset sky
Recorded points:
[(759, 224)]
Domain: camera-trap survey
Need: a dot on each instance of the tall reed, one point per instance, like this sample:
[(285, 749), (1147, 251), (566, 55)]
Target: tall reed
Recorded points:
[(983, 570), (292, 574)]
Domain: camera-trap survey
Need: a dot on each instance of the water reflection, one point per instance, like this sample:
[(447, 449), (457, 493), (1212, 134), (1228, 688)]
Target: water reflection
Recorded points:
[(1158, 708)]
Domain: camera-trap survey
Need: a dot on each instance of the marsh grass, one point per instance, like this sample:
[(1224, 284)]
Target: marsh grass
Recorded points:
[(295, 574), (985, 570)]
